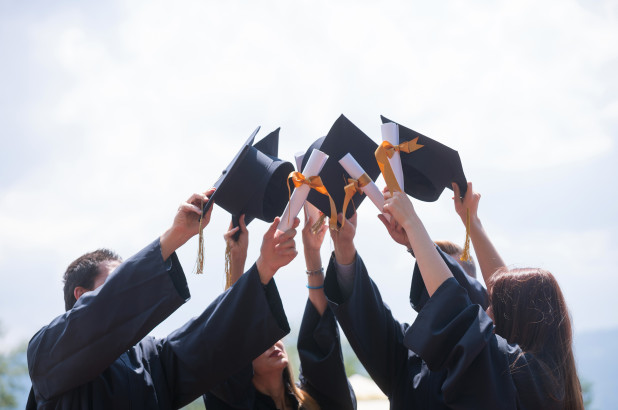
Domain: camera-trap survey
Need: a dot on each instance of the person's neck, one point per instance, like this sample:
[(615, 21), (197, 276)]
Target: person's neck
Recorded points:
[(271, 384)]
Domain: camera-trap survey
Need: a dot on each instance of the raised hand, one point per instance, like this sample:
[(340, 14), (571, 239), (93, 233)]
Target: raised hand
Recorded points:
[(278, 249), (343, 239), (186, 223), (469, 202), (238, 248)]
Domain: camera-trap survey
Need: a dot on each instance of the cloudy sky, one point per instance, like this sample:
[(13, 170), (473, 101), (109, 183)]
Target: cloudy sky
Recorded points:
[(112, 113)]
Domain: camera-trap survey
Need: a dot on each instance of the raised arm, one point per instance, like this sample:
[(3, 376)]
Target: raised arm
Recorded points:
[(312, 242), (488, 257), (432, 266), (238, 248), (143, 291)]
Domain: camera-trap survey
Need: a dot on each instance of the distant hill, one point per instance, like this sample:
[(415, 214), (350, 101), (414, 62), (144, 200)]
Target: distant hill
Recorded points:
[(597, 362)]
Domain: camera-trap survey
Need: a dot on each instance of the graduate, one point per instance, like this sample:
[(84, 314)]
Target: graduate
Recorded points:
[(267, 382), (97, 355), (518, 354)]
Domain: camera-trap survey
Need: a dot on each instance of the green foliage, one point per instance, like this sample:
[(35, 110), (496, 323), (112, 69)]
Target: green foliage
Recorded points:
[(13, 368), (587, 393), (197, 404)]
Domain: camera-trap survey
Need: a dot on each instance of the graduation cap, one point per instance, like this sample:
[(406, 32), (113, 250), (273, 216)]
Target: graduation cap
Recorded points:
[(344, 137), (430, 169), (254, 182)]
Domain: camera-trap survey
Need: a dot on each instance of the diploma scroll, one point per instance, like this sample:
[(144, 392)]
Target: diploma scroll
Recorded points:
[(311, 211), (353, 168), (390, 133), (299, 196)]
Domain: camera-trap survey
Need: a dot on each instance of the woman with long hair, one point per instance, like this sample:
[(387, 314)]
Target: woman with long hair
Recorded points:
[(519, 353), (268, 382)]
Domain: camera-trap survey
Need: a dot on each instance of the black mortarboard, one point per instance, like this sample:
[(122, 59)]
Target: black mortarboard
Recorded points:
[(427, 171), (344, 137), (254, 183)]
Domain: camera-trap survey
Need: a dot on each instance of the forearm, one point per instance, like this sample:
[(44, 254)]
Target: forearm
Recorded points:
[(487, 256), (315, 280), (433, 269), (237, 265)]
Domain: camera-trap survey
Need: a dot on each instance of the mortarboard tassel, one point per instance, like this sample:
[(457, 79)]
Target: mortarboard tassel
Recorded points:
[(200, 249), (228, 266), (318, 224), (465, 254)]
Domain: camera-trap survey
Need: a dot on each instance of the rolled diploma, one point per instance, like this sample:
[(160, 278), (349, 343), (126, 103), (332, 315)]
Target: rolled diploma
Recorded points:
[(314, 166), (390, 133), (311, 211), (371, 189)]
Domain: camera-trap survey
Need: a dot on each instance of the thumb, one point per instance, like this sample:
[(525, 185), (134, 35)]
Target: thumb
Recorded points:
[(272, 229)]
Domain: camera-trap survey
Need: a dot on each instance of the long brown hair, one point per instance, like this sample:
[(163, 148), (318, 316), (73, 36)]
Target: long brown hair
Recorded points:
[(529, 310), (304, 399)]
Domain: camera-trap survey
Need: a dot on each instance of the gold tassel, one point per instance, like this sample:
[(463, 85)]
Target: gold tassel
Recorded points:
[(465, 254), (200, 250), (228, 266), (315, 228)]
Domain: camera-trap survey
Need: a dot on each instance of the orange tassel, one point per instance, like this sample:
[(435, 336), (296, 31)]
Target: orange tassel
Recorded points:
[(465, 254)]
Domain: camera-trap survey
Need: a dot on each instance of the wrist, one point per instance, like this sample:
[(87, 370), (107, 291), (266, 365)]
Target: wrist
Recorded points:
[(313, 260), (345, 255), (265, 272), (169, 241)]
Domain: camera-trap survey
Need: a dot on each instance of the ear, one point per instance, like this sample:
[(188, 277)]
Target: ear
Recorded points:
[(79, 291)]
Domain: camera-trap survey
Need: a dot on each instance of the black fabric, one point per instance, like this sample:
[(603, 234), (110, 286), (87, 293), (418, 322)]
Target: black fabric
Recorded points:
[(96, 355), (344, 137), (432, 168), (484, 371), (322, 372), (377, 339), (254, 183), (448, 358), (419, 295)]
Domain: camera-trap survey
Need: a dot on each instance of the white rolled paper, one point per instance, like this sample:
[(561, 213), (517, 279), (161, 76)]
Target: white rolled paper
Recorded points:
[(311, 211), (390, 133), (316, 161), (371, 189)]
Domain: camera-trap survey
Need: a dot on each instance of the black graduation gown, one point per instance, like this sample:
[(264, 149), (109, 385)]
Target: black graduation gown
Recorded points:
[(96, 355), (378, 339), (483, 370), (322, 372)]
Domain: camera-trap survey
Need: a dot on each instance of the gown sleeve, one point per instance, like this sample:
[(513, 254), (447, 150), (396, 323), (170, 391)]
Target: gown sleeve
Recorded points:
[(237, 327), (419, 295), (373, 333), (483, 370), (322, 372), (78, 345)]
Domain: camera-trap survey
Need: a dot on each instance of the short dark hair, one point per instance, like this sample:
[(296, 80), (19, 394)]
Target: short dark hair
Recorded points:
[(83, 271)]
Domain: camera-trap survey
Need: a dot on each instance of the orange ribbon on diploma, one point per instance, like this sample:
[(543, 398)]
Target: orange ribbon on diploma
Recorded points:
[(354, 186), (385, 151), (314, 182)]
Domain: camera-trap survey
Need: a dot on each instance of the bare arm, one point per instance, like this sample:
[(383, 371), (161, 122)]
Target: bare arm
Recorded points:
[(312, 242), (488, 257), (238, 248), (432, 267), (186, 223)]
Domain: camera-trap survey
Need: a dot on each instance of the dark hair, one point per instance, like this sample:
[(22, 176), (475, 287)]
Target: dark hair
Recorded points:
[(529, 310), (305, 400), (455, 251), (83, 271)]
